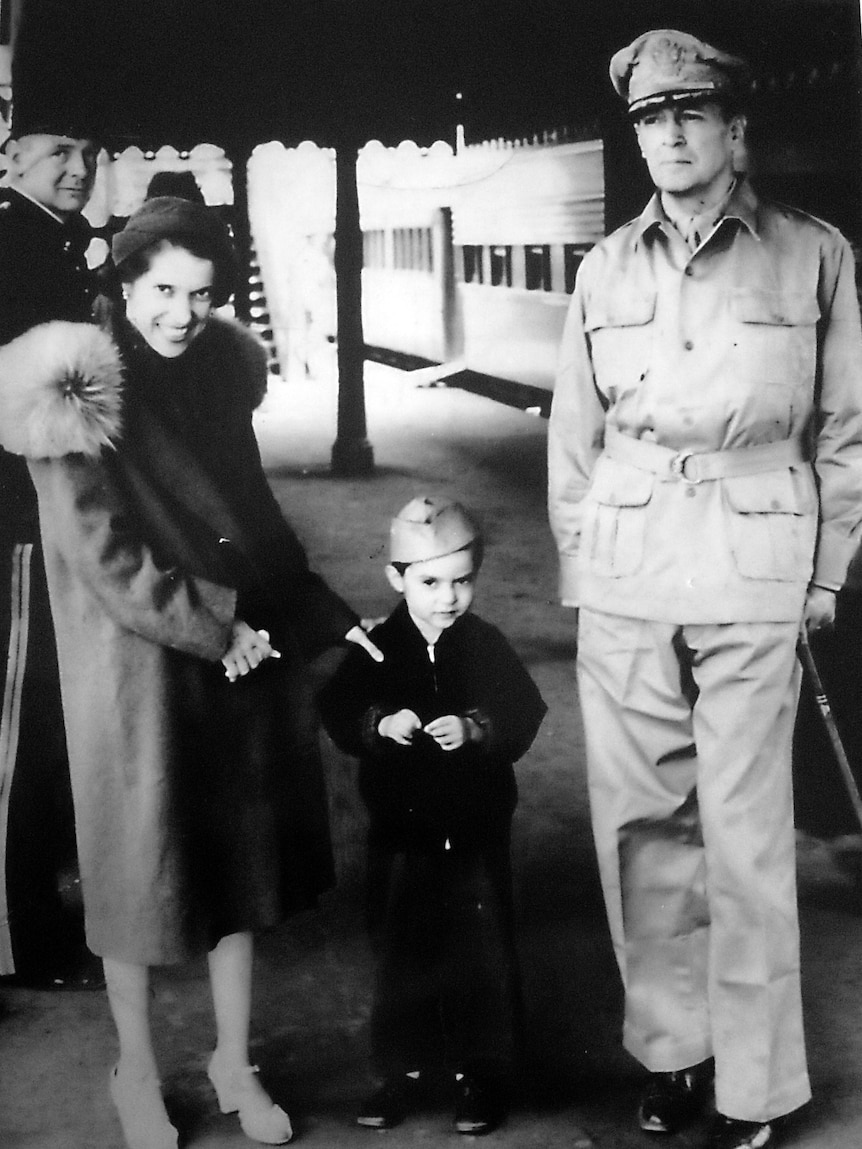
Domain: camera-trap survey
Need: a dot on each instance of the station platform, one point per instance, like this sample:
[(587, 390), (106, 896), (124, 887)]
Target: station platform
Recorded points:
[(314, 974)]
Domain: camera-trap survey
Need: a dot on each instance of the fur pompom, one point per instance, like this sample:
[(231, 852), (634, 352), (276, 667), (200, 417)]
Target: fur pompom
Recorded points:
[(60, 391)]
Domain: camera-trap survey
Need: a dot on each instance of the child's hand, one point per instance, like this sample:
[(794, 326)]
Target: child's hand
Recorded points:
[(451, 732), (399, 727), (248, 649)]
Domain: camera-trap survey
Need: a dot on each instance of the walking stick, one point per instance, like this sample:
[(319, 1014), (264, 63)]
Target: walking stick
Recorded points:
[(806, 657)]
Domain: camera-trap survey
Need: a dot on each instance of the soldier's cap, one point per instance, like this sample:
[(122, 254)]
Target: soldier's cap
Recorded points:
[(430, 527), (41, 122), (665, 66), (182, 185)]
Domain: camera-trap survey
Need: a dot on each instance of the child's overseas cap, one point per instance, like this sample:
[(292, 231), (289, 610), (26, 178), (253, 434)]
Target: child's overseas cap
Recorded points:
[(430, 527)]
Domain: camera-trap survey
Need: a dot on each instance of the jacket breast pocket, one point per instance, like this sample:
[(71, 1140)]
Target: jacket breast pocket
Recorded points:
[(772, 521), (777, 337), (620, 331), (615, 520)]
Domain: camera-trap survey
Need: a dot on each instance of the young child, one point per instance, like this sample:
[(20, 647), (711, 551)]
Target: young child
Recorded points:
[(437, 727)]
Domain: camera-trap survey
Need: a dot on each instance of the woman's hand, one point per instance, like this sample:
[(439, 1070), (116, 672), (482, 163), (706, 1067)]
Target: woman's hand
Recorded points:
[(368, 624), (248, 649), (357, 634), (399, 727)]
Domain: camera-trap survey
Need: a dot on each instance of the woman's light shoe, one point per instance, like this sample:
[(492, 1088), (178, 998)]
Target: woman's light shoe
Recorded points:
[(142, 1112), (239, 1091)]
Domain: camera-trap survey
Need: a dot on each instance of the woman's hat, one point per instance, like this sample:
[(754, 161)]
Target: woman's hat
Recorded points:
[(176, 219)]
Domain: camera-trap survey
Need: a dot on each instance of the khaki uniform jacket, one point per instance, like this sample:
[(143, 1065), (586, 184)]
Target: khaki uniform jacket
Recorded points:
[(752, 339)]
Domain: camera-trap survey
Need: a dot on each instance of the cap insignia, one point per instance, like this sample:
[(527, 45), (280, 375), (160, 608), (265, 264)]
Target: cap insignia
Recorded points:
[(669, 56)]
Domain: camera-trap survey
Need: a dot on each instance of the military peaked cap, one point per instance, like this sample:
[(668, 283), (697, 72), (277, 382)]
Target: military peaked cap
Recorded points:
[(665, 66)]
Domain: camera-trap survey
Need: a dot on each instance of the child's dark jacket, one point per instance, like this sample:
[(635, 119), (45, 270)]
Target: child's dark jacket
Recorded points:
[(420, 797)]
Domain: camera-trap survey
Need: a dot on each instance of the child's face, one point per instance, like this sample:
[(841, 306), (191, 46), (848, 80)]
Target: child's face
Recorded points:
[(437, 591)]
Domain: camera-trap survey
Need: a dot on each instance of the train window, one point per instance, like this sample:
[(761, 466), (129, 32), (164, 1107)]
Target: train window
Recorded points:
[(572, 257), (537, 268), (412, 250), (473, 271), (374, 248), (501, 266), (428, 249)]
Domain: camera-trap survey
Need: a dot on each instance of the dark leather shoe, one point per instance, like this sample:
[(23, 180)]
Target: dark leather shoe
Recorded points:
[(728, 1133), (390, 1104), (673, 1100), (479, 1107)]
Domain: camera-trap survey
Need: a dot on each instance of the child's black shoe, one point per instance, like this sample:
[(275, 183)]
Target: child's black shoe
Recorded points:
[(479, 1107), (389, 1105)]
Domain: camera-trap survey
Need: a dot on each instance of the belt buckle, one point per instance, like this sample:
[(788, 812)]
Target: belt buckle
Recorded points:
[(677, 468)]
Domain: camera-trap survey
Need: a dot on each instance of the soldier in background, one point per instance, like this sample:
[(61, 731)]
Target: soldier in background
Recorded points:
[(43, 276)]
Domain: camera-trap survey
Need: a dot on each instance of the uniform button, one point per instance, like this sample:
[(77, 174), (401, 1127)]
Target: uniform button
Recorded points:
[(688, 345)]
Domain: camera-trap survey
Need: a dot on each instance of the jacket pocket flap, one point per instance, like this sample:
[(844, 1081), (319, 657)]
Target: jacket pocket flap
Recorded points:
[(620, 485), (774, 493), (631, 309), (777, 308)]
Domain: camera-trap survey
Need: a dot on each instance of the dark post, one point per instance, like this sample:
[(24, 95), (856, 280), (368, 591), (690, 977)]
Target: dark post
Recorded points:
[(352, 454), (239, 155), (444, 259)]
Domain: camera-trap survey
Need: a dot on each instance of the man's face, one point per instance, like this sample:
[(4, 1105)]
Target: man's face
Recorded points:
[(56, 171), (689, 149)]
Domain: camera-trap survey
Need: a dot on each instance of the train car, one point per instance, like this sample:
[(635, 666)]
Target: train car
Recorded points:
[(519, 238), (475, 274), (407, 284)]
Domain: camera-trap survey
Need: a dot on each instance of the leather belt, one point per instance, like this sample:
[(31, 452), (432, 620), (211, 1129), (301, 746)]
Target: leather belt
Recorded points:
[(702, 466)]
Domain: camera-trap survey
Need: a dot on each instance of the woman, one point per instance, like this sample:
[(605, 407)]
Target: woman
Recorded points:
[(184, 608)]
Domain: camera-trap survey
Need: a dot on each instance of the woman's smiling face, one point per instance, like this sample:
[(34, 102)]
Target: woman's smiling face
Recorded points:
[(171, 301)]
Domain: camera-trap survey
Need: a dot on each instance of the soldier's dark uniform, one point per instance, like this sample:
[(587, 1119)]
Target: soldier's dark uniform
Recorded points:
[(43, 276)]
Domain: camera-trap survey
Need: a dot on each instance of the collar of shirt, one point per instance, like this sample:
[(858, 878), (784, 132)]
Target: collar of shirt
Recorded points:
[(742, 206), (77, 225), (41, 206)]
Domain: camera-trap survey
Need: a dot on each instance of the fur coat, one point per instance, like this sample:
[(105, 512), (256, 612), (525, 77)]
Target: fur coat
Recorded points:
[(200, 806)]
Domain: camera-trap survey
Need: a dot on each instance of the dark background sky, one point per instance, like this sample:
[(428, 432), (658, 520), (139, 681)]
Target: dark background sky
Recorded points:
[(296, 69), (238, 73)]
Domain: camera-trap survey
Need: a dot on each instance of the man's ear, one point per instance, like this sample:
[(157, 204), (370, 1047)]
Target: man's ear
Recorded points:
[(396, 579), (637, 127), (738, 147), (13, 155)]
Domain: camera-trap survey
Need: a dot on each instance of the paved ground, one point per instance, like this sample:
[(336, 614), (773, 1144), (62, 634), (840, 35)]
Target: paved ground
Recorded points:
[(313, 975)]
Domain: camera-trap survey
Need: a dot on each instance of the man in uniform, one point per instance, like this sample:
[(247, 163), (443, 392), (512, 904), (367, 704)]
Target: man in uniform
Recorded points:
[(43, 276), (705, 462)]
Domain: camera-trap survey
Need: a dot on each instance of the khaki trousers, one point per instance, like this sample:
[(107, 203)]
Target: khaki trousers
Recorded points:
[(688, 732)]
